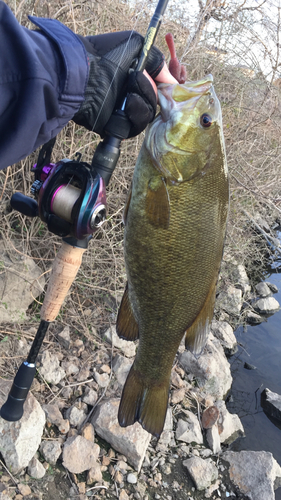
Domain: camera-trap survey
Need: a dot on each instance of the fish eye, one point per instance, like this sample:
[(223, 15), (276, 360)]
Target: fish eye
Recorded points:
[(206, 120)]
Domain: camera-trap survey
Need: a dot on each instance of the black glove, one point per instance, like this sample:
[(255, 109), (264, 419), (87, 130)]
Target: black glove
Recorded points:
[(110, 58)]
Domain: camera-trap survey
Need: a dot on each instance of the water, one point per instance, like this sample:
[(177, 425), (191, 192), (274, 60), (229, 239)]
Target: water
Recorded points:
[(261, 347)]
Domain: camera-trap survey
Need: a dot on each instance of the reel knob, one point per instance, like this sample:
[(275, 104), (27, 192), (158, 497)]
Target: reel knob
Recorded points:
[(98, 217), (24, 204)]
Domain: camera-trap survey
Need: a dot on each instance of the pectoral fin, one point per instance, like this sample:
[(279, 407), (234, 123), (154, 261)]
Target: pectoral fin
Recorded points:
[(157, 203), (126, 325), (196, 335)]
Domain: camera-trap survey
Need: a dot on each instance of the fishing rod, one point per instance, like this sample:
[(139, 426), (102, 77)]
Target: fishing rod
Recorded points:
[(70, 197)]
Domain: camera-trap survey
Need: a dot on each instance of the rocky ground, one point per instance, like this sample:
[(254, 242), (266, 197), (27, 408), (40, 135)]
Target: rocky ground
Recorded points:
[(69, 445)]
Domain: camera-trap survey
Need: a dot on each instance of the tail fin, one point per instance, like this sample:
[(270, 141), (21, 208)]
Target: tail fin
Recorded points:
[(143, 403)]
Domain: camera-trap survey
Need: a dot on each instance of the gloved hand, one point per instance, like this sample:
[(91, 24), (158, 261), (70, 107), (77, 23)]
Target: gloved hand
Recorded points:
[(110, 58)]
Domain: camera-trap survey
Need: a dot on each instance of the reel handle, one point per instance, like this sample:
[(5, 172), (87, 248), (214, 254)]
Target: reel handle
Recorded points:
[(64, 270)]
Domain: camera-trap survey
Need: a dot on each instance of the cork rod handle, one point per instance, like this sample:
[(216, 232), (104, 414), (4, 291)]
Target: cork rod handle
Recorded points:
[(65, 268)]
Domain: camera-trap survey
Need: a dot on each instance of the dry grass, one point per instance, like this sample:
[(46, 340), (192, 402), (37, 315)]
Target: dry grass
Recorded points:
[(251, 110)]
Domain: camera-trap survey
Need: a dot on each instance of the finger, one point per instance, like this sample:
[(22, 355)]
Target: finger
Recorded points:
[(151, 81), (165, 76)]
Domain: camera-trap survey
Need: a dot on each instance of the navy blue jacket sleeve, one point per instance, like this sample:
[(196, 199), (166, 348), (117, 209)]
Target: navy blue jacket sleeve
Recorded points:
[(43, 76)]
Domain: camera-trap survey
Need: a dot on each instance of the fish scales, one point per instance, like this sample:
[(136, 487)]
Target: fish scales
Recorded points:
[(172, 257)]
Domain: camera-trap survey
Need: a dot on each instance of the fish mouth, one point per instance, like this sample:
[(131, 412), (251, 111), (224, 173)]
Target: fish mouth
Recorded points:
[(174, 97), (181, 108)]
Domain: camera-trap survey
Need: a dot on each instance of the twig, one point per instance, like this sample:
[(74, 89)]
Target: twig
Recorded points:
[(45, 382), (97, 488), (25, 335), (103, 393), (198, 408), (5, 182), (269, 239), (8, 472), (70, 385), (32, 284)]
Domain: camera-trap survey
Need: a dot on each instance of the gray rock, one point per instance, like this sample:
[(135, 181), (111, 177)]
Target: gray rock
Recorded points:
[(255, 473), (267, 306), (254, 318), (51, 451), (236, 273), (211, 369), (94, 474), (84, 374), (79, 454), (131, 441), (50, 368), (20, 440), (189, 430), (19, 284), (88, 432), (213, 439), (64, 337), (231, 300), (35, 469), (248, 366), (177, 395), (262, 289), (272, 287), (90, 396), (224, 333), (22, 347), (76, 414), (263, 223), (101, 379), (121, 367), (128, 348), (132, 478), (205, 453), (167, 437), (70, 366), (229, 424), (202, 472), (176, 380), (240, 278), (55, 417), (271, 403), (4, 496)]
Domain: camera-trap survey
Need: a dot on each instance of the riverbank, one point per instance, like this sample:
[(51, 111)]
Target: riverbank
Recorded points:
[(76, 448)]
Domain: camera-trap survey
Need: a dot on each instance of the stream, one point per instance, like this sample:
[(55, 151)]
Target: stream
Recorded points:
[(260, 346)]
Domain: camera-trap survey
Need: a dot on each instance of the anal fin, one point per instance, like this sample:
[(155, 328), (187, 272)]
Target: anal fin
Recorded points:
[(144, 403), (196, 335), (126, 325)]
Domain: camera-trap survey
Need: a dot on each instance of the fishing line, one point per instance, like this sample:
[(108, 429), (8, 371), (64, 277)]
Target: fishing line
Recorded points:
[(119, 64)]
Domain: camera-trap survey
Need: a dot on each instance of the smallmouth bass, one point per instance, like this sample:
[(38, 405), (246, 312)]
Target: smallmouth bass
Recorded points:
[(175, 223)]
